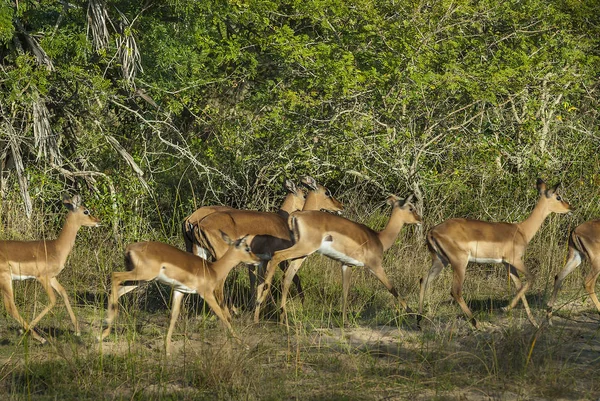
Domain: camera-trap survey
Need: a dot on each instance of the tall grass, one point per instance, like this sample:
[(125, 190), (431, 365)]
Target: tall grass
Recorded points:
[(379, 354)]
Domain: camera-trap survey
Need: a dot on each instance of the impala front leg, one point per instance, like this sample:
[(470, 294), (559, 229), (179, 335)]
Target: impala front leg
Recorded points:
[(45, 282), (521, 289), (61, 291)]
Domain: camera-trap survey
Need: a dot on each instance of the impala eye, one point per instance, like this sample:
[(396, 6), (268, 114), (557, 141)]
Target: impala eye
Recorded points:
[(558, 198), (328, 194), (86, 212)]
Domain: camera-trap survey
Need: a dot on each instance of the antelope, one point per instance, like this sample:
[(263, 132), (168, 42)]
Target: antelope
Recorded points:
[(43, 260), (184, 272), (189, 227), (343, 240), (460, 241), (293, 201), (584, 242), (270, 230)]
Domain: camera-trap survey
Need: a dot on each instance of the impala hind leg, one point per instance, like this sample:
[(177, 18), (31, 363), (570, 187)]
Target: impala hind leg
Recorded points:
[(436, 268), (290, 274), (294, 252), (574, 260), (11, 308), (459, 266), (590, 282), (296, 279), (346, 276), (118, 291)]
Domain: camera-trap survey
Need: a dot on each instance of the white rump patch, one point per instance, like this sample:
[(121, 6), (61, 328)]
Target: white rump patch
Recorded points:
[(327, 249), (203, 253), (163, 278)]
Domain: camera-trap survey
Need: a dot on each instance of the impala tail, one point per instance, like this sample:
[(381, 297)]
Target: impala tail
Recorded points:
[(187, 230), (434, 247), (129, 265), (294, 230), (204, 243), (576, 243)]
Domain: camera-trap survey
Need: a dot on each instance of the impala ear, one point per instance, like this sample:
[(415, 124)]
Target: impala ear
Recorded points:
[(290, 186), (76, 200), (391, 200), (408, 199), (541, 185), (226, 238), (552, 190), (241, 242), (310, 182), (73, 203)]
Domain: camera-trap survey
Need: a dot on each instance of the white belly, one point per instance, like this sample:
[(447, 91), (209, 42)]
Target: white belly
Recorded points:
[(328, 250), (20, 277), (484, 260), (174, 283)]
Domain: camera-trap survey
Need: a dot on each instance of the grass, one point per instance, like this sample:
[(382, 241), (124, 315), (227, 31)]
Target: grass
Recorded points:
[(379, 355)]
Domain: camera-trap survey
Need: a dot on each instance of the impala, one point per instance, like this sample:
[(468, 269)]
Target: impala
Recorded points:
[(270, 230), (293, 201), (42, 260), (460, 241), (185, 272), (584, 242), (351, 243)]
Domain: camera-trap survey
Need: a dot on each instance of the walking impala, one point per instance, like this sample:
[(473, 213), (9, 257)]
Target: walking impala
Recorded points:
[(584, 242), (351, 243), (460, 241), (185, 272), (270, 230), (293, 201), (42, 260)]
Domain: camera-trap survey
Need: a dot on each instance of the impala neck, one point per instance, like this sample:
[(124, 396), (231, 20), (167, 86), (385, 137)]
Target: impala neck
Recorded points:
[(66, 238), (388, 235), (311, 202), (223, 266), (288, 206), (532, 224)]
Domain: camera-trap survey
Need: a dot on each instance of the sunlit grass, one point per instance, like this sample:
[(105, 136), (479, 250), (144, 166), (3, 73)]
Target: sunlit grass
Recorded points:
[(379, 354)]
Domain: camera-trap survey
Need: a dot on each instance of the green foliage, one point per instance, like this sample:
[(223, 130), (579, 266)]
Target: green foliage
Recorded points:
[(437, 98)]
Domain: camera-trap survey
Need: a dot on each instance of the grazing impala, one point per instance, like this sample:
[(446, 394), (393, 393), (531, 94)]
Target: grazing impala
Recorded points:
[(351, 243), (185, 272), (460, 241), (584, 242), (42, 260), (270, 230)]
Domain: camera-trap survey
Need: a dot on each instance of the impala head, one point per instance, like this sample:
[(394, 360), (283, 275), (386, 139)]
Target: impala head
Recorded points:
[(406, 207), (554, 202), (242, 248), (296, 196), (320, 198), (79, 212)]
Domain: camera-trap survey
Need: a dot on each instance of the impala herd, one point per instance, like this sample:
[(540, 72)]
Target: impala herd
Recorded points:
[(218, 238)]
